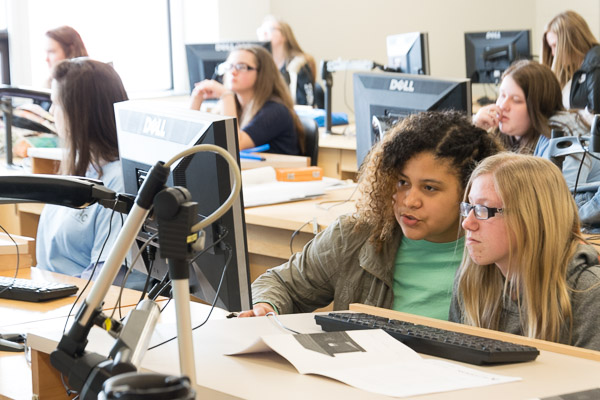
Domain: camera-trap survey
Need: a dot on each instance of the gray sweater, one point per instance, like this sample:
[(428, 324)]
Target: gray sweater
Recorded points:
[(583, 277)]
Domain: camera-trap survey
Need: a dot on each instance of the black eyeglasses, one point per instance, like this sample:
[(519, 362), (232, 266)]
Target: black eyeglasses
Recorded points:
[(240, 67), (481, 212)]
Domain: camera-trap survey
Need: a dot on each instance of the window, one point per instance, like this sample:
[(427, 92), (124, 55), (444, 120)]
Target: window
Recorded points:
[(133, 35)]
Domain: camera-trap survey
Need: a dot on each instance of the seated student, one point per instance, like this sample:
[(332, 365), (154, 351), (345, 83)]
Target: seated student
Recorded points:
[(256, 94), (297, 67), (527, 270), (571, 50), (403, 246), (63, 43), (529, 105), (71, 241), (528, 108)]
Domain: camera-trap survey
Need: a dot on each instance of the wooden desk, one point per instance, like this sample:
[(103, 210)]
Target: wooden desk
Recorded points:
[(337, 153), (20, 316), (8, 251), (269, 376), (17, 312), (270, 228)]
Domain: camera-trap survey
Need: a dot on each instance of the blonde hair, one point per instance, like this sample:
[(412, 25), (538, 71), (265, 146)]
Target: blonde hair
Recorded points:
[(269, 85), (292, 47), (575, 39), (543, 233)]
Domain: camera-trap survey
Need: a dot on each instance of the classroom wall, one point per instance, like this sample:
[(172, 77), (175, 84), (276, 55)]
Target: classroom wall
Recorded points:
[(357, 29), (329, 29)]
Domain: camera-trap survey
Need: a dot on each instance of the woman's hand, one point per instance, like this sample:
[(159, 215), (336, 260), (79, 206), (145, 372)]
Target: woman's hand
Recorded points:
[(207, 89), (259, 310), (488, 117)]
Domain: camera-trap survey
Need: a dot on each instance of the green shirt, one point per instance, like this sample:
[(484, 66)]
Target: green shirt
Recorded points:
[(423, 276)]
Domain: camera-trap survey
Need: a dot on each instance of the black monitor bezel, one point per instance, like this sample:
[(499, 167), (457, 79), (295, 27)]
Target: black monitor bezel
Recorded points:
[(203, 58), (517, 42), (410, 94)]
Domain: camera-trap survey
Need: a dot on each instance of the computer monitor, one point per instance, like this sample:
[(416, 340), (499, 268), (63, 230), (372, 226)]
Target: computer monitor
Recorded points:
[(148, 133), (409, 53), (203, 58), (4, 59), (488, 54), (381, 99)]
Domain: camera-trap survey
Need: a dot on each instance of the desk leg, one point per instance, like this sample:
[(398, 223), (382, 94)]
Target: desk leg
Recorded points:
[(46, 381)]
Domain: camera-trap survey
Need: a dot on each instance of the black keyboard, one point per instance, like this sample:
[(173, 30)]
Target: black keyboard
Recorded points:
[(433, 341), (34, 290)]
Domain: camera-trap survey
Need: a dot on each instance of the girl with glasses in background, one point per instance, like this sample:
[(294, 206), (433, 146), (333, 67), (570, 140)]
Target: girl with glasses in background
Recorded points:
[(527, 269), (254, 92)]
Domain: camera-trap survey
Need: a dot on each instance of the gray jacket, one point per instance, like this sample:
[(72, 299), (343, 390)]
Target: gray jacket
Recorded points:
[(338, 265), (583, 277)]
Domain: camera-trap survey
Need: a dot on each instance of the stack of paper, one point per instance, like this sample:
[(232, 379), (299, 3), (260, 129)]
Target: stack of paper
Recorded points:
[(260, 187)]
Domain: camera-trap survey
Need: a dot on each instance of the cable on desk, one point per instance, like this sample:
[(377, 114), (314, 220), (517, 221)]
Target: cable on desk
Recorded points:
[(216, 242), (68, 390), (336, 202), (137, 256), (212, 307), (158, 288), (279, 323), (151, 254), (296, 233)]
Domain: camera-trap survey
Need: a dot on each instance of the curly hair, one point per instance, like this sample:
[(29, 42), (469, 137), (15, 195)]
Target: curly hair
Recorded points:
[(448, 135)]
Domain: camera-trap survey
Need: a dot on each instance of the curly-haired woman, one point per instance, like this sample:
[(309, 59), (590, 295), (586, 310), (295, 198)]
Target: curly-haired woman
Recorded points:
[(402, 248)]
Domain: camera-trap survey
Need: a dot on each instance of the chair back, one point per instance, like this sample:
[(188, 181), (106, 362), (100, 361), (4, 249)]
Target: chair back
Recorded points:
[(311, 139)]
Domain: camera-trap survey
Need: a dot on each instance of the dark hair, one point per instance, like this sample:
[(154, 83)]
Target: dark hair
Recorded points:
[(448, 135), (543, 98), (86, 90), (69, 40)]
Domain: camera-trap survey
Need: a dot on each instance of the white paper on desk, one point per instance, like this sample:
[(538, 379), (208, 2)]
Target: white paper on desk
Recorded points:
[(259, 188), (372, 360)]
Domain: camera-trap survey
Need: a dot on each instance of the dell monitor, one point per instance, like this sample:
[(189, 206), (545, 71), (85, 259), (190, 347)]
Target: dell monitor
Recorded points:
[(408, 53), (203, 58), (488, 54), (148, 133), (381, 99)]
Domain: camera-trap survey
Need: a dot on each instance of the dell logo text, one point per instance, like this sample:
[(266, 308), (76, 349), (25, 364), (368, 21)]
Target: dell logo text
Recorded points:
[(154, 126), (493, 35), (402, 85)]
